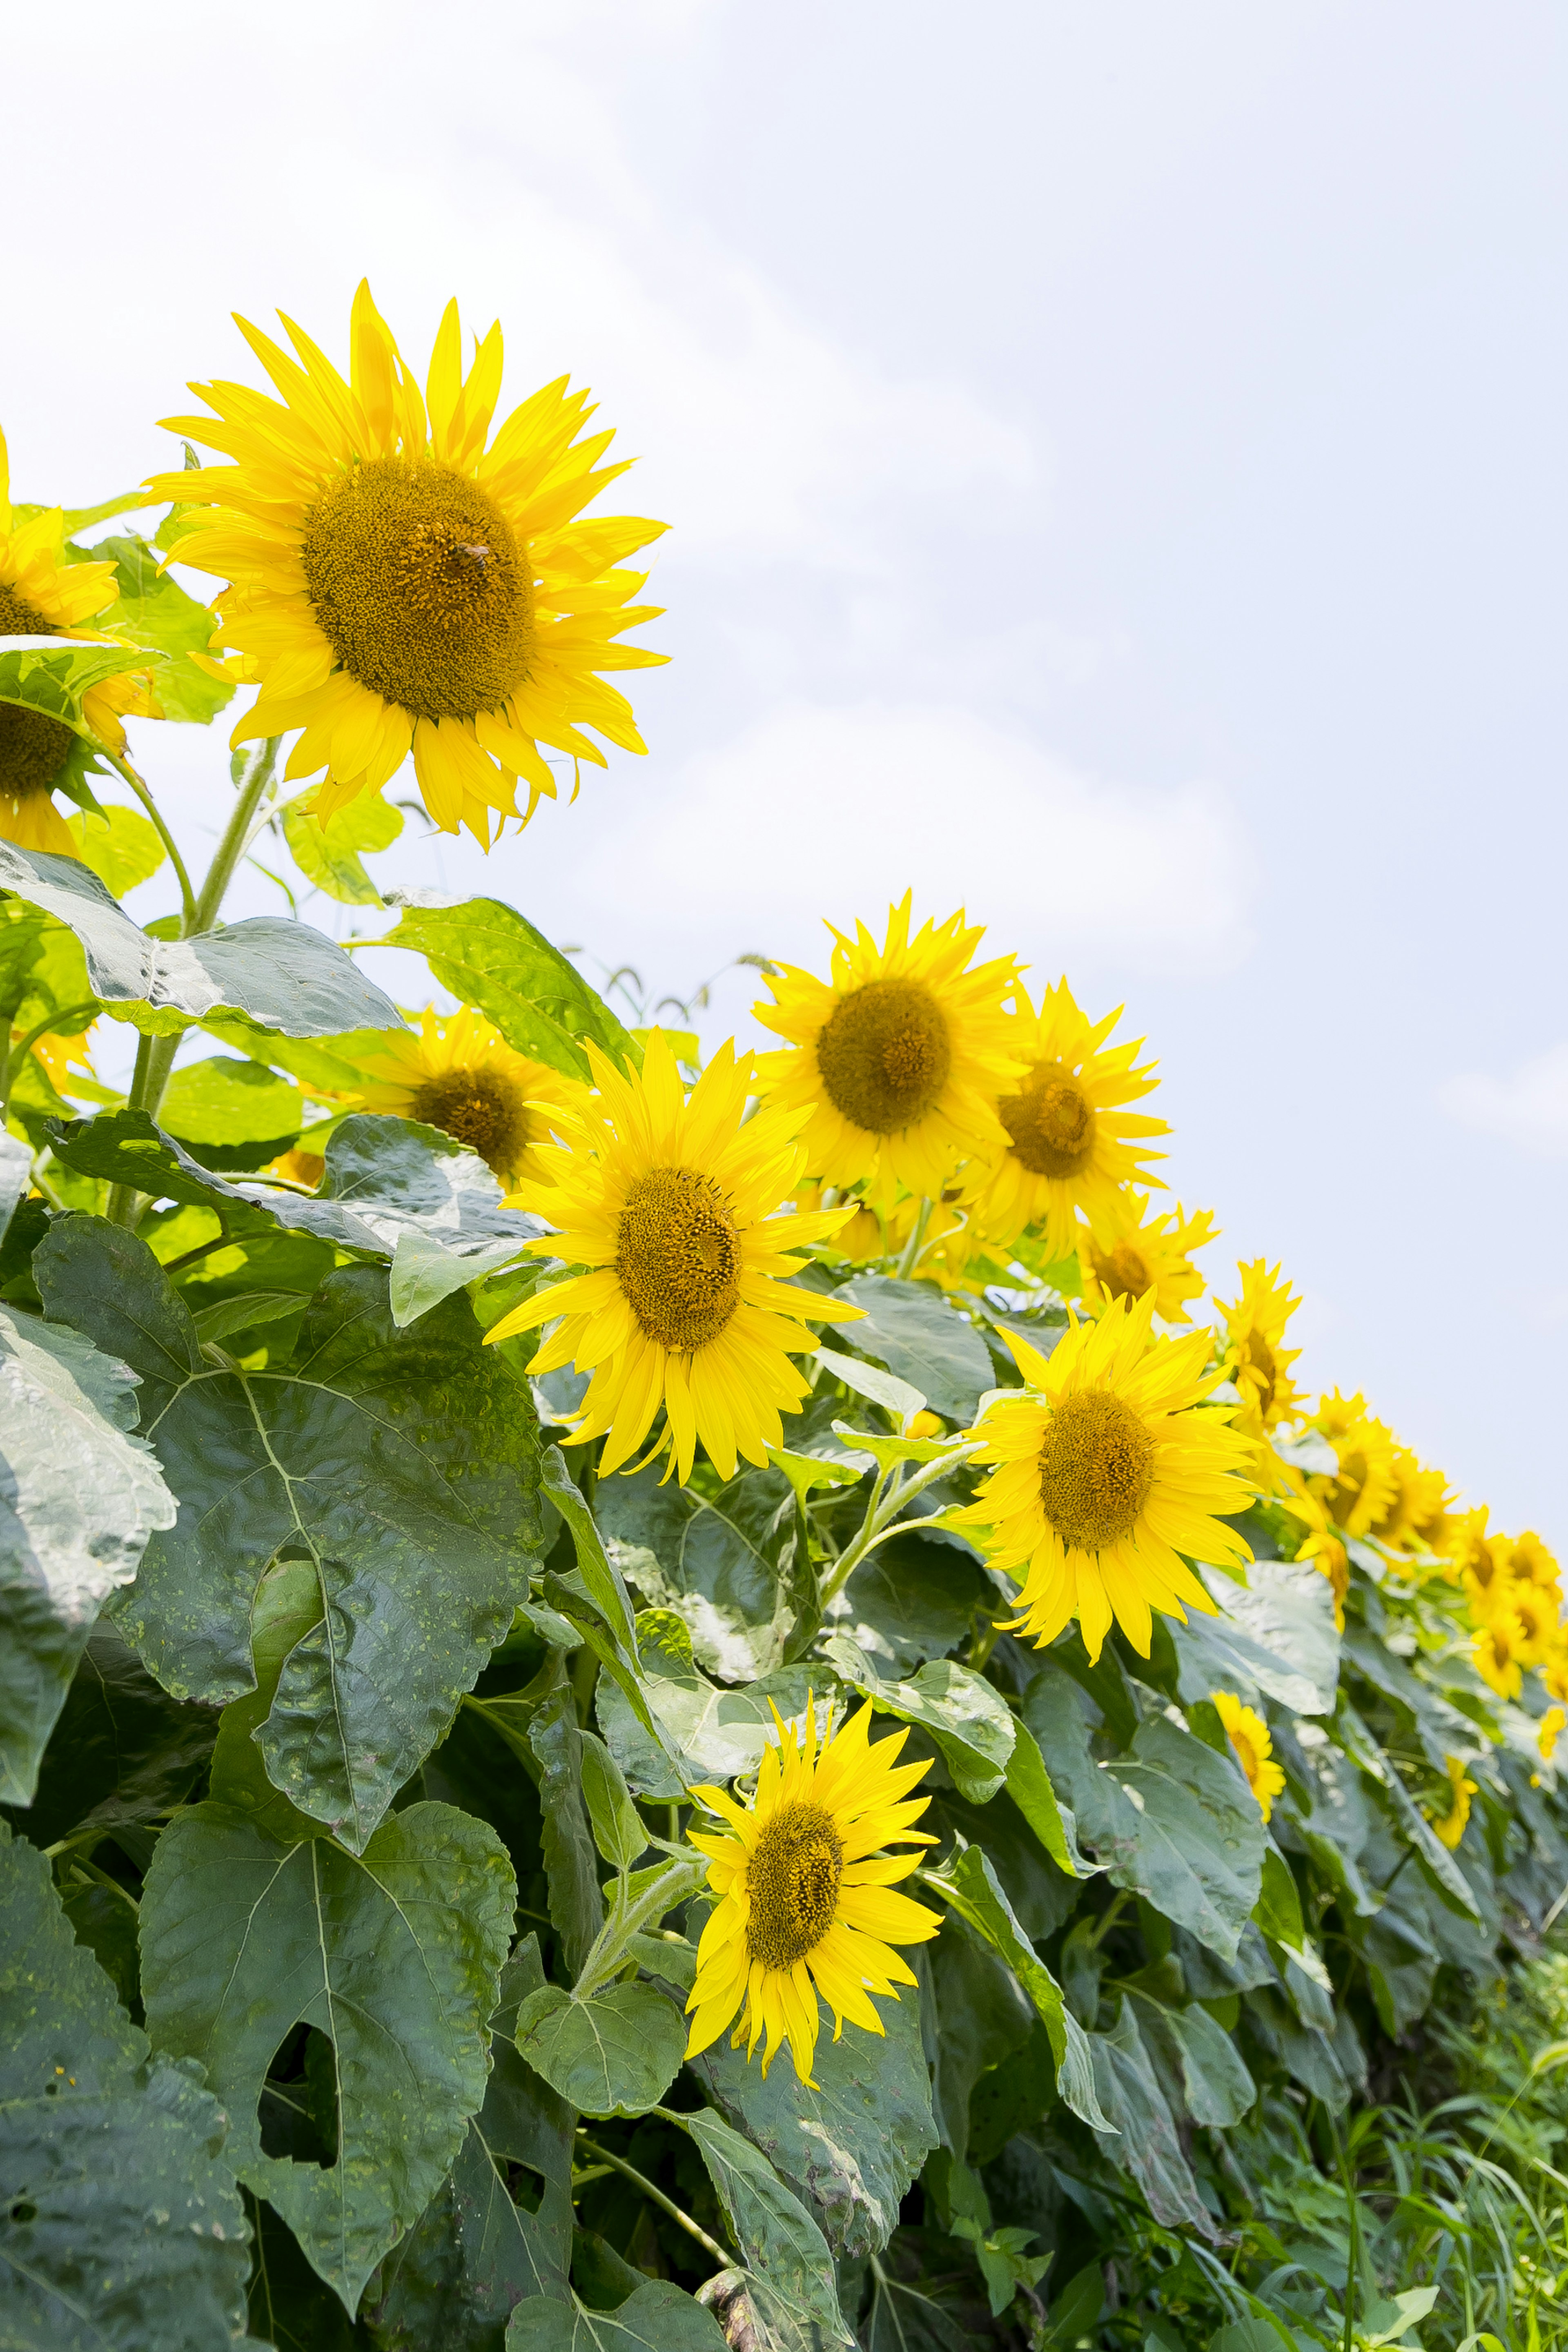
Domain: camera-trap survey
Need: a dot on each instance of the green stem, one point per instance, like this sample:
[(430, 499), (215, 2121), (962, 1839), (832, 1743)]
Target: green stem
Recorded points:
[(882, 1520), (685, 1874), (657, 2196), (188, 895), (13, 1058), (253, 786), (917, 1236)]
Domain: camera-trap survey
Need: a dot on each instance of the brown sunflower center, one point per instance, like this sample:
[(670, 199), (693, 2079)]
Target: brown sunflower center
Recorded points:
[(1257, 1358), (1051, 1122), (1123, 1271), (677, 1258), (793, 1881), (1097, 1467), (480, 1108), (415, 577), (885, 1054), (33, 746)]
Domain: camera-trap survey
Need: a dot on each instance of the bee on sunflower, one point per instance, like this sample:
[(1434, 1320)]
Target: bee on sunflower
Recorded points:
[(666, 1206), (895, 1057), (1126, 1253), (46, 592), (808, 1904), (1254, 1744), (458, 1073), (398, 582), (1106, 1474)]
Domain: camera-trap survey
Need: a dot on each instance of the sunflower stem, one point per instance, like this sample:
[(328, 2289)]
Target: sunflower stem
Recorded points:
[(12, 1059), (171, 847), (882, 1516), (253, 786), (657, 2196), (917, 1236), (683, 1877)]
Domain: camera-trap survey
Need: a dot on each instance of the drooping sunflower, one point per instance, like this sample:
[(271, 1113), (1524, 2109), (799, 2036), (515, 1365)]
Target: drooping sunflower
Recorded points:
[(1106, 1474), (666, 1206), (45, 593), (461, 1075), (1069, 1145), (395, 585), (1450, 1825), (895, 1058), (1365, 1485), (1322, 1545), (1499, 1650), (807, 1902), (1127, 1253), (1254, 1746)]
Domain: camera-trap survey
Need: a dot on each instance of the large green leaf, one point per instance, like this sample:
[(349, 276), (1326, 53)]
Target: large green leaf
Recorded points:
[(282, 974), (851, 2143), (124, 847), (1287, 1610), (394, 1957), (155, 611), (614, 2054), (979, 2016), (1172, 1821), (1146, 2145), (403, 1465), (123, 1750), (1199, 2064), (78, 1499), (968, 1719), (911, 1327), (53, 675), (119, 2225), (659, 2317), (328, 854), (490, 957), (224, 1101), (715, 1731), (714, 1561), (576, 1906), (791, 2277), (914, 1598)]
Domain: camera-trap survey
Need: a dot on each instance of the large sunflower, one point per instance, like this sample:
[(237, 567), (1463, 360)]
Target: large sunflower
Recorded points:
[(895, 1057), (461, 1075), (666, 1206), (806, 1904), (1068, 1144), (43, 594), (1127, 1253), (395, 585), (1105, 1475)]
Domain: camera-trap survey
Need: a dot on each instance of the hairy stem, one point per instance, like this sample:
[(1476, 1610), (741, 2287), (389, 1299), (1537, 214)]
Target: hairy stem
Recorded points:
[(666, 2204), (188, 895)]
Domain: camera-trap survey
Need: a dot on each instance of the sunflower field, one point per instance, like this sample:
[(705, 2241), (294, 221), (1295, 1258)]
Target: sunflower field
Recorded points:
[(649, 1699)]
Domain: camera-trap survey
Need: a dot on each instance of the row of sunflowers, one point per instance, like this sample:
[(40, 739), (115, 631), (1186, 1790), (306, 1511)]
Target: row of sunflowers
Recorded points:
[(550, 1568)]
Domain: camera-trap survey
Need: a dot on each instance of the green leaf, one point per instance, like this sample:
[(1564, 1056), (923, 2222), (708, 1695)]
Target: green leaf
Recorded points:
[(120, 2225), (850, 2143), (1029, 1785), (614, 2054), (1285, 1612), (714, 1561), (155, 612), (424, 1271), (712, 1732), (971, 1887), (911, 1327), (968, 1719), (328, 854), (895, 1396), (1172, 1821), (490, 957), (806, 1472), (618, 1830), (288, 1606), (123, 846), (576, 1906), (53, 675), (1146, 2146), (912, 1599), (79, 1501), (1437, 1864), (1202, 2067), (402, 1463), (602, 1583), (980, 2016), (224, 1101), (1278, 1910), (791, 2279), (283, 975), (657, 2318), (904, 2320), (394, 1957), (123, 1750)]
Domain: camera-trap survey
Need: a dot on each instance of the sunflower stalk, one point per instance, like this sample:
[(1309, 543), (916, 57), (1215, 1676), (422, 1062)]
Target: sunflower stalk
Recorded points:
[(12, 1056), (630, 1914), (890, 1497), (171, 847)]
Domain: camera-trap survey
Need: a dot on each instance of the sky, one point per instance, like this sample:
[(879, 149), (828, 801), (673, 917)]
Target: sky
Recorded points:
[(1116, 474)]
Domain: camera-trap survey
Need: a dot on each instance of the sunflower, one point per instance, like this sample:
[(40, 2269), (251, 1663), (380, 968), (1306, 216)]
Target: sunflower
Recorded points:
[(1554, 1666), (1249, 1736), (1451, 1826), (1419, 1505), (1126, 1253), (807, 1903), (1260, 1364), (1068, 1144), (1465, 1545), (460, 1074), (1105, 1475), (1486, 1578), (1324, 1546), (1535, 1611), (895, 1059), (665, 1204), (1530, 1562), (1499, 1650), (1550, 1731), (43, 594), (1365, 1485), (395, 585)]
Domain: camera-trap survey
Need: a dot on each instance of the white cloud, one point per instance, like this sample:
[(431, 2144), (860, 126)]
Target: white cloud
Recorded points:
[(1528, 1109)]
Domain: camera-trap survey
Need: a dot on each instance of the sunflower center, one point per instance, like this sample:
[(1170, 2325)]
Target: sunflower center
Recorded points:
[(33, 746), (1124, 1272), (1051, 1122), (416, 580), (1096, 1466), (793, 1881), (478, 1108), (1257, 1358), (885, 1054), (677, 1258)]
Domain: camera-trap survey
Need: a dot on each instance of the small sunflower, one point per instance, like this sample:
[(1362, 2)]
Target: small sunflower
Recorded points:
[(666, 1205), (1365, 1486), (461, 1075), (1127, 1253), (1249, 1736), (807, 1903), (1450, 1825), (1068, 1144), (395, 585), (1260, 1364), (1105, 1475), (1549, 1732), (1535, 1610), (1324, 1546), (1418, 1510), (896, 1059), (1498, 1650), (1530, 1562), (43, 594), (1465, 1545)]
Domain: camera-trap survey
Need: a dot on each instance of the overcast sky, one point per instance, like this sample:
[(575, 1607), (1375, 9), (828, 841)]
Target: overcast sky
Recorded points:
[(1115, 458)]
